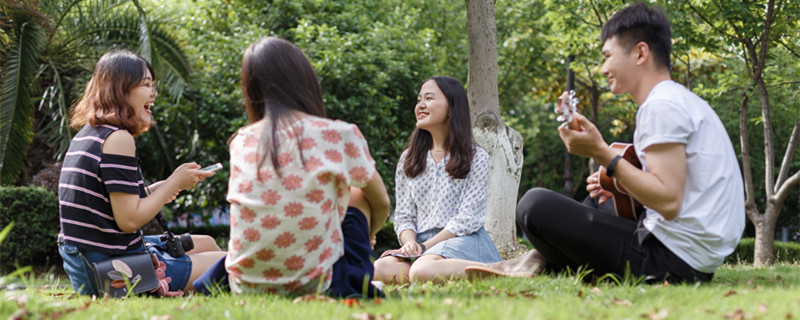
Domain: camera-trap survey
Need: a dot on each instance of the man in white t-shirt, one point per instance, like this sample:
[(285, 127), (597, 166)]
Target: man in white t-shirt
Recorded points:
[(690, 183)]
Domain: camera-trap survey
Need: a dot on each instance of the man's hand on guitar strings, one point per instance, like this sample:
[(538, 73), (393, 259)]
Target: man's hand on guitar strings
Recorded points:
[(595, 190), (588, 142)]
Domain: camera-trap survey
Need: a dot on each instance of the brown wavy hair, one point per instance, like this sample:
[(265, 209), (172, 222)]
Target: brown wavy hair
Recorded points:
[(277, 78), (105, 99), (460, 143)]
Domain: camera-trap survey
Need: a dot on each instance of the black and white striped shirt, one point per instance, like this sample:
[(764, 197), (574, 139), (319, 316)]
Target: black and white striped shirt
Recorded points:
[(87, 177)]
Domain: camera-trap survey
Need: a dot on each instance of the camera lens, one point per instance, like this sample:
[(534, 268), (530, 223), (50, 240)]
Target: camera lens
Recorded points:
[(186, 241)]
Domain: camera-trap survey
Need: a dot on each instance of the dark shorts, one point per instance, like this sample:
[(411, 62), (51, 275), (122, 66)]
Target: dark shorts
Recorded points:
[(351, 275), (353, 272), (77, 265)]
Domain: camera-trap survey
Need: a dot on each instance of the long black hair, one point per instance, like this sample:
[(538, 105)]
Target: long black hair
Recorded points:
[(459, 143), (276, 79)]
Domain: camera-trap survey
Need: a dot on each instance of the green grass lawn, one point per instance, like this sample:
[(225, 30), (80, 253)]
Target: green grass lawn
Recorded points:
[(737, 292)]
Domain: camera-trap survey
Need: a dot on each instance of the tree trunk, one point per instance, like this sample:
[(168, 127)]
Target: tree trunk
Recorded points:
[(503, 144), (776, 191), (765, 235)]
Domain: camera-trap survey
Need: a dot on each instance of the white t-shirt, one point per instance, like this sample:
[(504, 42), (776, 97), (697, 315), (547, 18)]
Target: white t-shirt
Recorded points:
[(712, 216)]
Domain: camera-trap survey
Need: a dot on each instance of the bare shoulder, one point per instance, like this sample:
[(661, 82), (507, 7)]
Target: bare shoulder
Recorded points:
[(120, 142)]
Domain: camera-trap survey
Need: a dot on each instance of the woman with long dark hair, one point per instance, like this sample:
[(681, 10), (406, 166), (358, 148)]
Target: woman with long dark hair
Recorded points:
[(305, 196), (103, 201), (440, 182)]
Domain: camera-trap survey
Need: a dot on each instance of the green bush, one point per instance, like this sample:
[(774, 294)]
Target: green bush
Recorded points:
[(784, 252), (32, 241), (386, 239)]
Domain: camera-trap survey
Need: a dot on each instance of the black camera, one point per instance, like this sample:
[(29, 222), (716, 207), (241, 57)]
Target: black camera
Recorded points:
[(177, 245)]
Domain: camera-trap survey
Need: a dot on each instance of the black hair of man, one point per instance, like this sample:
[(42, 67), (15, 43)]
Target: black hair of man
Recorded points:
[(640, 22)]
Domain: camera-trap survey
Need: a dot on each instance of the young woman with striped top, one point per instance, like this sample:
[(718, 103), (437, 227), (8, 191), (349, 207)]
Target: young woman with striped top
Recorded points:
[(103, 200)]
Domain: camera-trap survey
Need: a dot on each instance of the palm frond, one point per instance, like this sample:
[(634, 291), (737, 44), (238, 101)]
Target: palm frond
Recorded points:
[(129, 28), (170, 61), (16, 107), (54, 103)]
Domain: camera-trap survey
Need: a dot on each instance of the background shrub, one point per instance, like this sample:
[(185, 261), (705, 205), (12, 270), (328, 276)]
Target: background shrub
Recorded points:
[(32, 241), (784, 252), (385, 240)]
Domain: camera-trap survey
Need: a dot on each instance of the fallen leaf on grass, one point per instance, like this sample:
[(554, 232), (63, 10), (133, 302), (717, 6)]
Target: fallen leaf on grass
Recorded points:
[(23, 313), (729, 293), (368, 316), (762, 307), (495, 292), (22, 300), (528, 293), (597, 291), (313, 297), (351, 302), (195, 306), (736, 315), (622, 302), (657, 314), (448, 301), (20, 314), (580, 293)]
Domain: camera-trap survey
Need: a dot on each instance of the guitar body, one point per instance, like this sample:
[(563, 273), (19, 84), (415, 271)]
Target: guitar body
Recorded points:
[(625, 205)]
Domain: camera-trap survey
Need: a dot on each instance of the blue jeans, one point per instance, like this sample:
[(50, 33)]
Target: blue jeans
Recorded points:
[(77, 265)]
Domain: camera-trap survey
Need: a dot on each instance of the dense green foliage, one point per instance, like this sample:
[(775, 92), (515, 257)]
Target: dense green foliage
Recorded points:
[(370, 57), (369, 67), (32, 241)]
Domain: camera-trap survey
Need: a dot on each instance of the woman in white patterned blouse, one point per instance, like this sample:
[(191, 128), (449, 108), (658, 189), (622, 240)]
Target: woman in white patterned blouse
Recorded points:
[(441, 192)]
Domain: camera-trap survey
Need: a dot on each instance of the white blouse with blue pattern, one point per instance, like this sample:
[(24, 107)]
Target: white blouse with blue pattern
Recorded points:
[(434, 199)]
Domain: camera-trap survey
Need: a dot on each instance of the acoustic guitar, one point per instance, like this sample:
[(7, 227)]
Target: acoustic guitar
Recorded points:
[(625, 205)]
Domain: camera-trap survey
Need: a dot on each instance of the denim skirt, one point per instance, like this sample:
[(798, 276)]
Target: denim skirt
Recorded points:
[(477, 246), (77, 264)]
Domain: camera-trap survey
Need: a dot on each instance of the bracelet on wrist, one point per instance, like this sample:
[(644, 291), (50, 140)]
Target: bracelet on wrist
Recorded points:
[(423, 247), (612, 165)]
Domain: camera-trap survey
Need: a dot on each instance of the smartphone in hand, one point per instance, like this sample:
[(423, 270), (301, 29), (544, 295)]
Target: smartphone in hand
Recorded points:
[(213, 167)]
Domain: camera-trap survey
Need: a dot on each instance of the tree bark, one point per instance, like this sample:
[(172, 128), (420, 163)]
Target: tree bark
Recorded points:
[(503, 144), (765, 235)]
